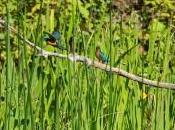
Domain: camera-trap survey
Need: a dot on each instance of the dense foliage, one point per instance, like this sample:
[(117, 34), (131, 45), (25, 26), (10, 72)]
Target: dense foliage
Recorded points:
[(51, 93)]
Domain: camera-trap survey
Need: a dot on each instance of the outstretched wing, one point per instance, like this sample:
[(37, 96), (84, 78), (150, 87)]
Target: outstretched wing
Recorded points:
[(56, 35)]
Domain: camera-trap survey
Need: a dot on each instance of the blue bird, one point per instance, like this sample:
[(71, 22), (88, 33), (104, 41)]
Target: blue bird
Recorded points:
[(54, 39), (101, 56)]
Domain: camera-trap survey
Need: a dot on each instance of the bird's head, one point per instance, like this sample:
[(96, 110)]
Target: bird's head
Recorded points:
[(97, 48)]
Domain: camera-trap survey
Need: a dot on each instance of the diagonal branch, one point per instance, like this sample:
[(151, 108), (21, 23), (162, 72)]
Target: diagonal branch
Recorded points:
[(89, 62)]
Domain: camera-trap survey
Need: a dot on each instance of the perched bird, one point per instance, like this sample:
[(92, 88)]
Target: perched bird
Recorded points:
[(54, 39), (101, 56)]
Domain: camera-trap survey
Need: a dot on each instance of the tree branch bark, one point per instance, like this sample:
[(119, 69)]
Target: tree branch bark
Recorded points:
[(89, 62)]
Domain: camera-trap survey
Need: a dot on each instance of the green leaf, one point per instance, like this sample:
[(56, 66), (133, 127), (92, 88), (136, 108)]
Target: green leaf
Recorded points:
[(83, 10)]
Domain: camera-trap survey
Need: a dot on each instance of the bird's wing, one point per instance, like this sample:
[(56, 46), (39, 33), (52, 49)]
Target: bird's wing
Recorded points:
[(56, 35), (104, 57), (48, 36)]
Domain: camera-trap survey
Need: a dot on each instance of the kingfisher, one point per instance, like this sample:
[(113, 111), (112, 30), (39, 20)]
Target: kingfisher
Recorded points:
[(54, 39), (101, 56)]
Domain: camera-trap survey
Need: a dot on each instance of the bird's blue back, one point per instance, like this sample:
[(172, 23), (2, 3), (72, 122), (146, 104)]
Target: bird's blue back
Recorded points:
[(104, 57)]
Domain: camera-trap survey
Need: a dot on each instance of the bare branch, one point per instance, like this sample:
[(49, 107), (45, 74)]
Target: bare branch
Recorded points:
[(89, 62)]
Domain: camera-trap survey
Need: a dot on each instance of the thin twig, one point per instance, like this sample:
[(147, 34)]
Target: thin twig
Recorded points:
[(89, 62)]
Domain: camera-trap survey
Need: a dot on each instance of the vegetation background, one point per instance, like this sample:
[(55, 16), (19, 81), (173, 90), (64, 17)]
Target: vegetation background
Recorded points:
[(52, 93)]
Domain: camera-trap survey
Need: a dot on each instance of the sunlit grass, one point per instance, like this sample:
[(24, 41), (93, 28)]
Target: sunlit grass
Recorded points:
[(51, 93)]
